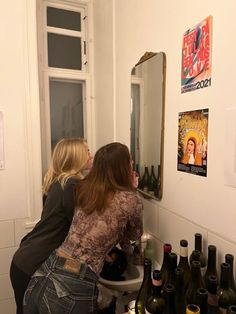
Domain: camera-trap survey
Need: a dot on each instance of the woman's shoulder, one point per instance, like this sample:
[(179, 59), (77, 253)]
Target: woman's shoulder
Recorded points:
[(131, 197)]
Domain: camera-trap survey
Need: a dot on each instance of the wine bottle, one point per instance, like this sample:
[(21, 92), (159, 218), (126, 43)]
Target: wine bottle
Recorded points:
[(165, 263), (192, 309), (183, 263), (226, 294), (212, 283), (201, 300), (171, 268), (149, 251), (198, 246), (229, 258), (195, 256), (145, 179), (211, 264), (232, 309), (152, 182), (196, 282), (169, 296), (145, 289), (157, 193), (156, 302), (179, 291)]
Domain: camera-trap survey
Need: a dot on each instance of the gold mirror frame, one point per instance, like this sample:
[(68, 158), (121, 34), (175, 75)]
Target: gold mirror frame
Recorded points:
[(145, 58)]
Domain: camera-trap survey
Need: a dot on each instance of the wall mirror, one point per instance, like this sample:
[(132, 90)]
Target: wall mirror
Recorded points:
[(147, 122)]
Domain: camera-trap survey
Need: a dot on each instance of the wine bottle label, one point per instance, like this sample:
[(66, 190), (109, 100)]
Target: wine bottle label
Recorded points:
[(183, 251), (222, 311)]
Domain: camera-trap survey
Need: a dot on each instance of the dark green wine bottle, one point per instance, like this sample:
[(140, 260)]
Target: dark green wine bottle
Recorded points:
[(196, 282), (171, 268), (211, 264), (198, 246), (156, 302), (229, 258), (169, 296), (183, 263), (212, 286), (180, 301), (226, 294), (201, 300), (145, 289), (165, 263)]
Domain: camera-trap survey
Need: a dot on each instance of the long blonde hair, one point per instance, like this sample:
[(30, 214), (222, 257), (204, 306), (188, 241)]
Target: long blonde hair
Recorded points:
[(69, 158), (111, 172)]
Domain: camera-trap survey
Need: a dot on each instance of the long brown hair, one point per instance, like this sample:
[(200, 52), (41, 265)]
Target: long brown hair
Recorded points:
[(69, 157), (111, 172)]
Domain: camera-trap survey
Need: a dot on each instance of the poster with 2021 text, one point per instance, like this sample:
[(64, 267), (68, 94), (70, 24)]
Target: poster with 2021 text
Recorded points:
[(196, 56)]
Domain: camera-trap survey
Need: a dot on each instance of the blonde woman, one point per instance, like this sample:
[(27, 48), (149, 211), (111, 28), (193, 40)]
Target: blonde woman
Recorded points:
[(70, 158)]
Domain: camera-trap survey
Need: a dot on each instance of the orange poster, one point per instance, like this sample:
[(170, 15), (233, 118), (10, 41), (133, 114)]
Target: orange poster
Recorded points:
[(192, 142)]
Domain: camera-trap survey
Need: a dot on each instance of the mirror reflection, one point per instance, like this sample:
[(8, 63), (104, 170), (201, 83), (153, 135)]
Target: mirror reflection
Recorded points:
[(147, 122)]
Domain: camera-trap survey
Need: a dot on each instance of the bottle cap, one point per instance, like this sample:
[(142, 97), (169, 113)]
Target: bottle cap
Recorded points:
[(184, 243), (167, 248), (232, 309)]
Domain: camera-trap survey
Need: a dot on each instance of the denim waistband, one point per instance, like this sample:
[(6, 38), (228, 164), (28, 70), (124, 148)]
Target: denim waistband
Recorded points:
[(73, 266)]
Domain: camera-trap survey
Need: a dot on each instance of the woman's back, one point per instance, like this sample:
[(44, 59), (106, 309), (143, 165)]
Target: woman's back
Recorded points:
[(92, 236)]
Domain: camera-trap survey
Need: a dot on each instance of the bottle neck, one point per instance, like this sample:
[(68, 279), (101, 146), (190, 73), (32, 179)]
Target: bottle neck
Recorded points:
[(183, 252), (212, 260)]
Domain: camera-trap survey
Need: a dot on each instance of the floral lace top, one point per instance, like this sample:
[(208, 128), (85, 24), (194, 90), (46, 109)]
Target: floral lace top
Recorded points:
[(92, 236)]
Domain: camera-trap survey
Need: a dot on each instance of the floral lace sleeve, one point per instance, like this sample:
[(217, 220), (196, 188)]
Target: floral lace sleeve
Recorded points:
[(134, 227)]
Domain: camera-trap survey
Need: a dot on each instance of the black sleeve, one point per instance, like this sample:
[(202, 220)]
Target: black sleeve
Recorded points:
[(69, 199)]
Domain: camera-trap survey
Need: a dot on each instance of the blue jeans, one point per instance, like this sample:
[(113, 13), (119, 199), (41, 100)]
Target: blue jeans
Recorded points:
[(59, 288)]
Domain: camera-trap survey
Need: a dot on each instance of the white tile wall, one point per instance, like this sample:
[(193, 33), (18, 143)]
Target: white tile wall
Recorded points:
[(7, 306), (7, 233), (5, 258)]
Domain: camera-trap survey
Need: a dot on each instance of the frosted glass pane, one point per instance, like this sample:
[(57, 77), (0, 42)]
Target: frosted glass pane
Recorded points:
[(66, 109), (64, 51), (63, 19)]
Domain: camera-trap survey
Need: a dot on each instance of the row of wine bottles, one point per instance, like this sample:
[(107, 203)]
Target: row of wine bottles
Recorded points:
[(149, 181), (179, 288)]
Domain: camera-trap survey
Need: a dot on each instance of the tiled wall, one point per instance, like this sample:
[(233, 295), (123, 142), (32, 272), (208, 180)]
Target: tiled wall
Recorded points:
[(165, 226), (11, 231)]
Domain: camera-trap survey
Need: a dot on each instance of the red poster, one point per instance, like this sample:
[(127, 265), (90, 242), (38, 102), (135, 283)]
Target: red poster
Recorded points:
[(196, 56)]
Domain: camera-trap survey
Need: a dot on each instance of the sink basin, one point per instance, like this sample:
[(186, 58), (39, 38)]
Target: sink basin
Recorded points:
[(133, 280)]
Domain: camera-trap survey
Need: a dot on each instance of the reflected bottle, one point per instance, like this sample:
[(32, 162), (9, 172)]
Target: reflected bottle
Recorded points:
[(211, 263), (192, 309), (149, 251), (152, 183), (212, 284), (183, 263), (165, 263), (226, 294), (145, 289), (155, 303), (196, 282), (138, 175), (145, 179), (169, 296), (229, 258), (157, 192), (198, 246)]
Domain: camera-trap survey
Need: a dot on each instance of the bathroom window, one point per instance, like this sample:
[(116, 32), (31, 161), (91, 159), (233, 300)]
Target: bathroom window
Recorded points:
[(64, 72)]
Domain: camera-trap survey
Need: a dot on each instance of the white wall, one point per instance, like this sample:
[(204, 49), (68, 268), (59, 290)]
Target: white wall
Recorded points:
[(190, 203)]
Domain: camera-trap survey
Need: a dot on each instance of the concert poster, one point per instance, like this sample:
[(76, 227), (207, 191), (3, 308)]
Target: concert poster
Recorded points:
[(192, 142)]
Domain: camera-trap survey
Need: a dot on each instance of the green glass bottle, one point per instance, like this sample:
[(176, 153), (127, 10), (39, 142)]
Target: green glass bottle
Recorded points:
[(156, 302), (145, 289)]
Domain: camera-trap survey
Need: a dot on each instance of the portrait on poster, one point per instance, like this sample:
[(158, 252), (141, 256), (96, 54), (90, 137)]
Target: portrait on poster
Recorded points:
[(2, 161), (192, 142), (196, 56)]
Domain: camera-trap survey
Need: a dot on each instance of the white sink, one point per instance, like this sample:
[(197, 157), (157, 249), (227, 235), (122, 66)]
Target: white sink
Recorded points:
[(133, 280)]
